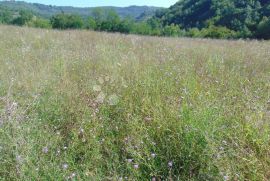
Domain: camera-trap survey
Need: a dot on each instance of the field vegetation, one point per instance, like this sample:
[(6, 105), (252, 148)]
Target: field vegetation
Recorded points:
[(83, 105)]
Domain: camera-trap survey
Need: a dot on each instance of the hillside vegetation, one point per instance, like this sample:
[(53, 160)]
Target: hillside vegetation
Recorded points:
[(47, 11), (83, 105), (220, 19)]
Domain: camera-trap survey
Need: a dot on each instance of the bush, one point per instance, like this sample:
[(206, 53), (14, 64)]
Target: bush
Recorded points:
[(194, 32), (142, 29), (217, 32), (5, 16), (91, 24), (126, 26), (40, 23), (66, 21), (24, 17), (171, 30), (74, 22)]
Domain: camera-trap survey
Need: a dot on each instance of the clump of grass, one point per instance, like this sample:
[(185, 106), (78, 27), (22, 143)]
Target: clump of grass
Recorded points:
[(82, 105)]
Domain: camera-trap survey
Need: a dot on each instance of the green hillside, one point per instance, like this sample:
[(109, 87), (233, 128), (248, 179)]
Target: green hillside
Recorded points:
[(241, 16), (47, 11)]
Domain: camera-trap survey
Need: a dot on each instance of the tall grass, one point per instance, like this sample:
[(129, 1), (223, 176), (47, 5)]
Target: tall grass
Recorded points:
[(84, 105)]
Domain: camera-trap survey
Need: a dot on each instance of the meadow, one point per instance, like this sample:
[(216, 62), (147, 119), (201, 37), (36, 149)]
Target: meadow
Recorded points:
[(82, 105)]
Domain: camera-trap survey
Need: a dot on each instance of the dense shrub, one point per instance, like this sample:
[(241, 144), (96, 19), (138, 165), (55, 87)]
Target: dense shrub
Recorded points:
[(171, 30), (40, 23), (23, 18), (66, 21), (217, 32), (264, 29), (5, 16)]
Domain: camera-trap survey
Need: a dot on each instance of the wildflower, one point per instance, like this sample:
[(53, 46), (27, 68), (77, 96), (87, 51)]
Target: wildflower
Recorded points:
[(153, 179), (81, 130), (19, 158), (226, 177), (153, 155), (58, 152), (221, 148), (65, 166), (136, 166), (130, 160), (73, 175), (170, 164), (45, 150), (126, 140)]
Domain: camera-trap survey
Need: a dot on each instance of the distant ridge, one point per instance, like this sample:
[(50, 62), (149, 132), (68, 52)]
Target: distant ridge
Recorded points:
[(47, 11)]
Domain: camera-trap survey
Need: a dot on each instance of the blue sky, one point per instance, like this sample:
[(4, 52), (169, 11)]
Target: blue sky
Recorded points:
[(93, 3)]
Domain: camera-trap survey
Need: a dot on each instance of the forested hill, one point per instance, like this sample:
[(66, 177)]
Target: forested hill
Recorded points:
[(46, 11), (247, 17)]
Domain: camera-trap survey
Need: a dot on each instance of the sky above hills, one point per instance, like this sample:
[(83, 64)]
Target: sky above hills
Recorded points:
[(93, 3)]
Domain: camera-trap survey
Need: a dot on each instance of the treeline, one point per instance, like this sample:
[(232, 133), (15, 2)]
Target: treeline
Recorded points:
[(100, 20), (23, 18), (202, 20), (110, 21), (220, 18)]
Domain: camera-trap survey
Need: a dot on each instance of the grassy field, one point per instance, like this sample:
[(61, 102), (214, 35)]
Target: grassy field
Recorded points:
[(82, 105)]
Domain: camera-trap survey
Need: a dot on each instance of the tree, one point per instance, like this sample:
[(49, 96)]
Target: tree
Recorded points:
[(217, 32), (263, 30), (66, 21), (5, 16), (172, 30), (111, 22), (59, 21), (240, 16), (156, 26), (194, 32), (142, 29), (91, 23), (24, 17), (40, 23), (98, 15), (126, 25), (74, 22)]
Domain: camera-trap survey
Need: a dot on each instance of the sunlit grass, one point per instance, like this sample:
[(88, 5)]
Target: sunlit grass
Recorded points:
[(94, 106)]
